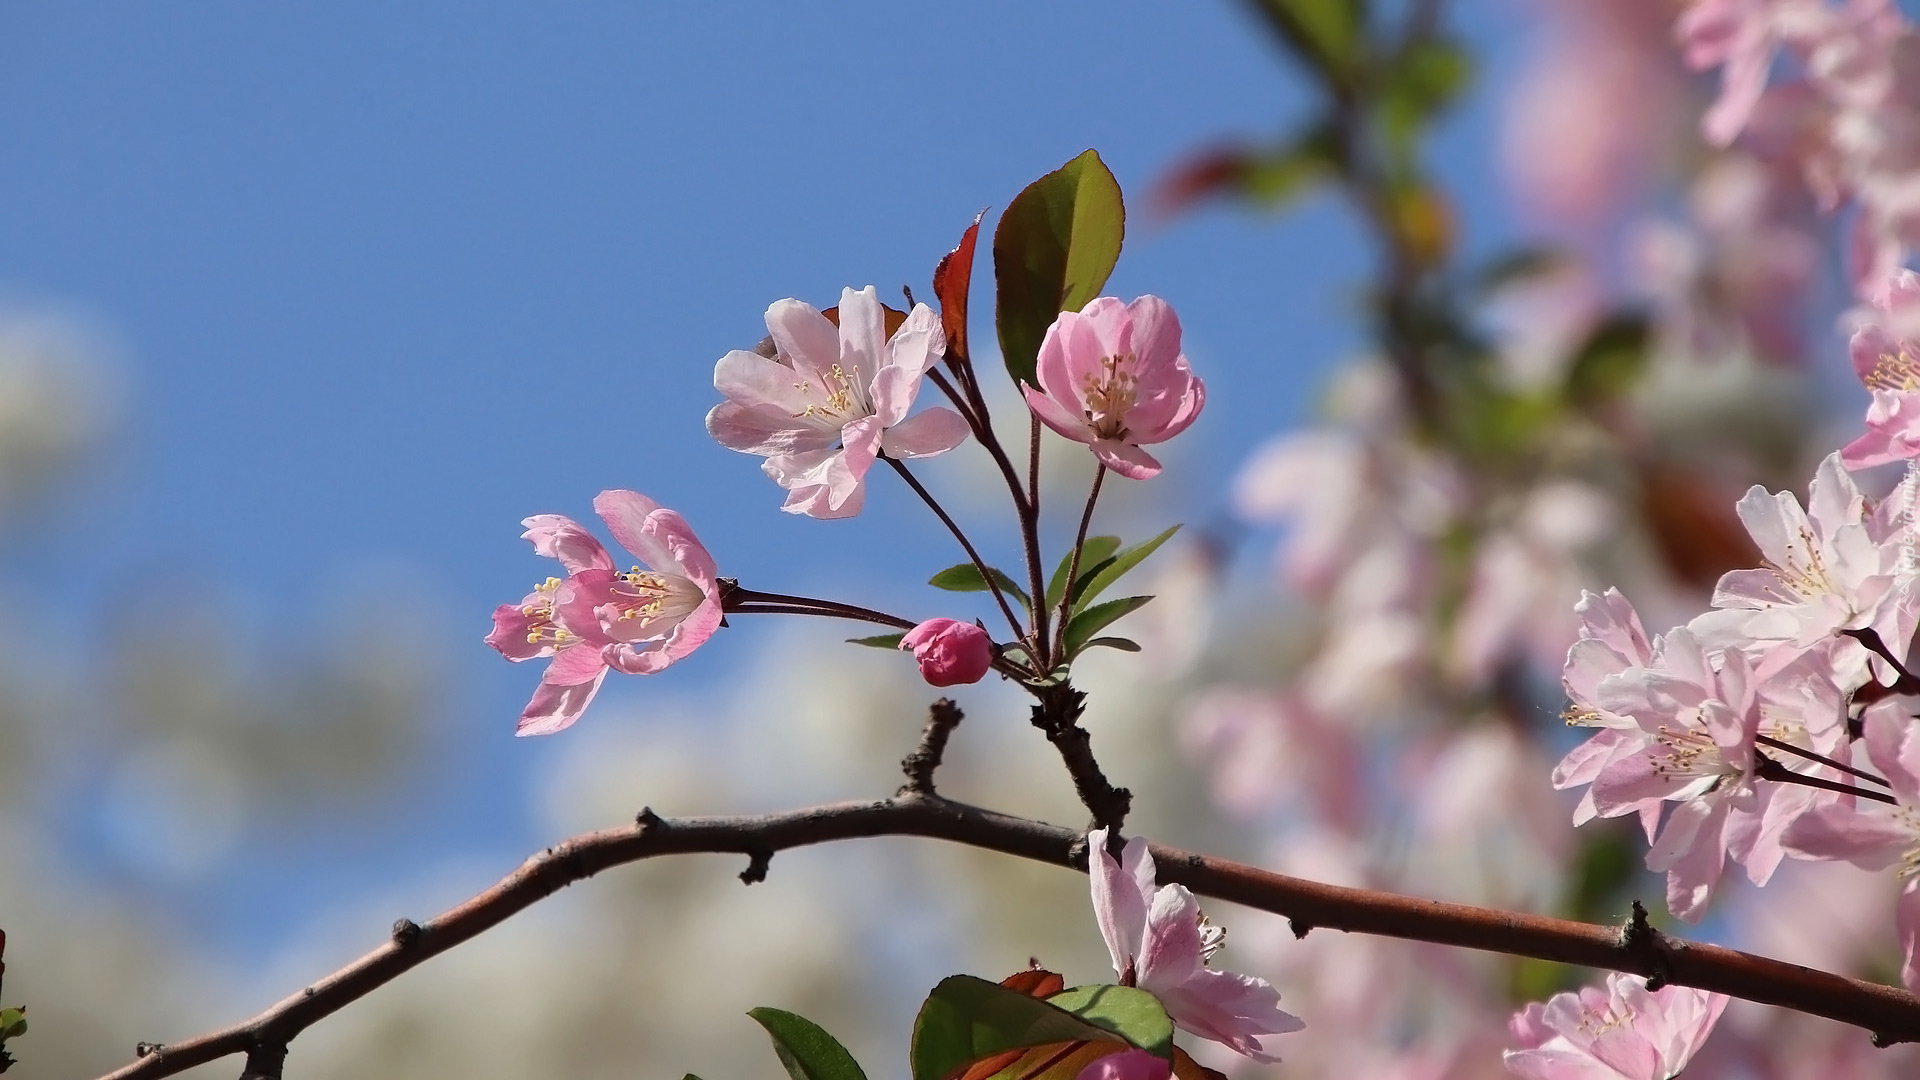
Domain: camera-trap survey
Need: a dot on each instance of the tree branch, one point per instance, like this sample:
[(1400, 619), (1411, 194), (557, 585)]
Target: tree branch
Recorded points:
[(1892, 1015)]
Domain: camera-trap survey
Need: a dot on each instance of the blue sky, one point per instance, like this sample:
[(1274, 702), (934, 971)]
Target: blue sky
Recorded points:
[(387, 278)]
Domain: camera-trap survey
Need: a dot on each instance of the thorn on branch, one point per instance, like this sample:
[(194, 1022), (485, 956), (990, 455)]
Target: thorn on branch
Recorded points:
[(647, 820), (406, 932), (1640, 937), (942, 717), (1300, 927), (147, 1049), (757, 863)]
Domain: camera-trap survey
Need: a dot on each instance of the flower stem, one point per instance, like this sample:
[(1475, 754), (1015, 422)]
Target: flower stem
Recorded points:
[(1030, 539), (1766, 768), (754, 602), (1789, 748), (979, 564), (1073, 561)]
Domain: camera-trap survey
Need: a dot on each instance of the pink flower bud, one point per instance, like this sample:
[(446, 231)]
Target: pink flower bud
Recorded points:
[(1128, 1065), (950, 652)]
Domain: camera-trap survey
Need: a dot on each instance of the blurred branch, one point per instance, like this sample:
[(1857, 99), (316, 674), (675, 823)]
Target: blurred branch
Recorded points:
[(1892, 1015)]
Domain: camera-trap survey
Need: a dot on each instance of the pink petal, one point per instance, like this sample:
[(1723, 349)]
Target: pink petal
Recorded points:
[(1232, 1009), (863, 334), (1170, 952), (1119, 903), (1869, 837), (1906, 917), (511, 625), (1126, 459), (1555, 1063), (1156, 331), (683, 550), (574, 665), (1692, 851), (625, 513), (560, 537), (934, 431), (765, 430), (1056, 416), (749, 379), (555, 706), (804, 336), (1131, 1064)]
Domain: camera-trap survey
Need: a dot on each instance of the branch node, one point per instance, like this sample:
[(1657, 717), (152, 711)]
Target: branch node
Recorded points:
[(266, 1060), (1300, 927), (406, 932), (147, 1049), (308, 992), (757, 862), (647, 820), (1640, 937), (942, 717)]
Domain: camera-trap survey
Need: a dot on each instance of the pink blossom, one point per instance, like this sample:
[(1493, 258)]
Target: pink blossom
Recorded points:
[(1161, 943), (1611, 641), (598, 619), (832, 400), (950, 652), (1875, 835), (1825, 570), (1624, 1032), (1133, 1064), (1112, 376), (1886, 355), (1701, 718)]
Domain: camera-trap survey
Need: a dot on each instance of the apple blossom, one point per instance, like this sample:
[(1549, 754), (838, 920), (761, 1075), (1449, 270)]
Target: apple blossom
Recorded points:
[(950, 652), (832, 400), (1885, 351), (1825, 570), (1131, 1064), (598, 619), (1112, 376), (1161, 943), (1875, 835), (1624, 1032)]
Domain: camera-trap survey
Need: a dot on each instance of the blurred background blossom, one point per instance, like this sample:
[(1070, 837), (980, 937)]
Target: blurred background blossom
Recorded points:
[(305, 309)]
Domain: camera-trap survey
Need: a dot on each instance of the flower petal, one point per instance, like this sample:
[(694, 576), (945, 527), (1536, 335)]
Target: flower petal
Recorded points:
[(924, 434)]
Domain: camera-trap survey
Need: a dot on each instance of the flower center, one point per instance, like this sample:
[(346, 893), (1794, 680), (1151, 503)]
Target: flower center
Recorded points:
[(541, 629), (1691, 753), (1109, 393), (640, 597), (1804, 582), (1595, 1023), (842, 400), (1213, 938), (1899, 370)]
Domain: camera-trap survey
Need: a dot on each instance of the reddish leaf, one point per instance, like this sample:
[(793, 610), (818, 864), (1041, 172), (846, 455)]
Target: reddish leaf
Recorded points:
[(1054, 1061), (892, 319), (951, 282), (1035, 982), (1205, 174), (1694, 526)]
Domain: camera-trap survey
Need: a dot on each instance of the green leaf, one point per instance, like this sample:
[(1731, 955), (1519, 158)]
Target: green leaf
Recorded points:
[(1093, 554), (1122, 562), (1326, 33), (966, 1019), (1422, 81), (878, 641), (1052, 252), (1517, 266), (13, 1022), (1123, 644), (808, 1052), (1129, 1012), (1610, 361), (965, 577), (1082, 628)]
